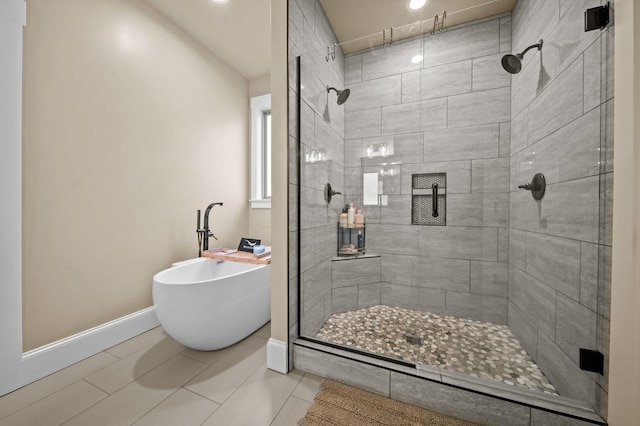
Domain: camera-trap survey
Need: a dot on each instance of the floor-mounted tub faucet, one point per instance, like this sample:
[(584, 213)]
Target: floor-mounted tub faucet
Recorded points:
[(205, 232)]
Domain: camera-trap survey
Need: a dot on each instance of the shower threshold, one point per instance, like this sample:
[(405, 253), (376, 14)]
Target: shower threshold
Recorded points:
[(480, 349)]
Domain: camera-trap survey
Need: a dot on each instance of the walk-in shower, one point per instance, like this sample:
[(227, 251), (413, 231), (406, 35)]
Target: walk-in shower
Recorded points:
[(427, 255)]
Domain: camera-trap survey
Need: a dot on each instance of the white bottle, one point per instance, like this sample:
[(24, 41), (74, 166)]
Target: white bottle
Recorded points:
[(351, 215)]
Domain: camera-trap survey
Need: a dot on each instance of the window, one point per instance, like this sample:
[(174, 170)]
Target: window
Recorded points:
[(261, 152)]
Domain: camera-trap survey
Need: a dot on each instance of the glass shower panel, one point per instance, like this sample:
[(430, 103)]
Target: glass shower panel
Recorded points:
[(461, 271)]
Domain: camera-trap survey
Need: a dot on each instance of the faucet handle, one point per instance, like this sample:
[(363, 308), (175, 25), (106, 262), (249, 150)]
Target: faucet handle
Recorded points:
[(211, 235)]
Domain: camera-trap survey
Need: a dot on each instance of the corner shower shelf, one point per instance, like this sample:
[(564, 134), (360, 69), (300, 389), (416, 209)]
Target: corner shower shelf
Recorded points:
[(351, 240)]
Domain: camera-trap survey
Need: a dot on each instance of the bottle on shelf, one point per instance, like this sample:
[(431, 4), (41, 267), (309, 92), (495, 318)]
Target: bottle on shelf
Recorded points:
[(359, 218), (351, 215)]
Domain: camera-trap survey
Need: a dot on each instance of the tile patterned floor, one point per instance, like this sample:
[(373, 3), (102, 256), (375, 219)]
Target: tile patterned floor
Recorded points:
[(153, 380), (480, 349)]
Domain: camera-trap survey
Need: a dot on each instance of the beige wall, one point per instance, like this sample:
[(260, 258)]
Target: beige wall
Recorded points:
[(260, 219), (279, 202), (130, 126), (260, 86), (624, 362)]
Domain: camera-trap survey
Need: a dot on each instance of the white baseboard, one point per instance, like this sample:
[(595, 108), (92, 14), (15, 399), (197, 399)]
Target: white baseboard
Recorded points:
[(42, 361), (277, 356)]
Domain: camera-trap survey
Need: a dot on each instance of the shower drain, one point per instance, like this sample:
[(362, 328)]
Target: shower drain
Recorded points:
[(413, 340)]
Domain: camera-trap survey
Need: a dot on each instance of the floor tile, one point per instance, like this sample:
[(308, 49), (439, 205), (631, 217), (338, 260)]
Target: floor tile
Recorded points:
[(480, 349), (144, 340), (134, 400), (210, 357), (264, 331), (308, 387), (35, 391), (58, 407), (258, 400), (221, 379), (294, 409), (183, 408), (121, 373)]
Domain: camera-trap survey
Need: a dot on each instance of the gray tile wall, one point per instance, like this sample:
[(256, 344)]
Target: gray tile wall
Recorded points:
[(322, 126), (449, 113), (559, 246)]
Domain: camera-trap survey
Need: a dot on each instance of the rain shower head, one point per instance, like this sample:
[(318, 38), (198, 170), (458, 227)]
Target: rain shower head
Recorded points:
[(513, 63), (343, 95)]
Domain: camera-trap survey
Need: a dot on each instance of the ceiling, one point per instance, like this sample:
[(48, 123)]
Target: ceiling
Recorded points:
[(354, 19), (239, 31)]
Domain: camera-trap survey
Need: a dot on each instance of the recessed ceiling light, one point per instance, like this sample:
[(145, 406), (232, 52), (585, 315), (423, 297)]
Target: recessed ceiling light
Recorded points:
[(417, 4), (417, 59), (219, 1)]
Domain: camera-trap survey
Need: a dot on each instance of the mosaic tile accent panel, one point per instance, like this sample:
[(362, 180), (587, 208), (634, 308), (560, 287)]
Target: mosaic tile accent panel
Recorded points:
[(480, 349)]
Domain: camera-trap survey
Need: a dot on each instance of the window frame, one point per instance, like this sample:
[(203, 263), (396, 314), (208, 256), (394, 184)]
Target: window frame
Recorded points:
[(260, 107)]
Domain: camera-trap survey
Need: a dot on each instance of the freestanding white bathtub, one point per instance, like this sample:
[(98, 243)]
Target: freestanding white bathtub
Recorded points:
[(208, 304)]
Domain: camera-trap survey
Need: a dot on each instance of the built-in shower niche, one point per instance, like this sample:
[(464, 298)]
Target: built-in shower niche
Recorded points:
[(429, 199)]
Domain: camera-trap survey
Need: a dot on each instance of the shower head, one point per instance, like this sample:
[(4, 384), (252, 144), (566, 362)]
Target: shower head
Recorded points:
[(513, 63), (343, 95)]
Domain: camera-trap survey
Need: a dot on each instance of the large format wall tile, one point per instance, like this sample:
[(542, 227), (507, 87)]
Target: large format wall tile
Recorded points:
[(535, 299), (570, 209), (353, 69), (445, 274), (555, 261), (575, 325), (462, 144), (393, 239), (559, 104), (348, 272), (490, 278), (478, 209), (446, 80), (459, 242), (382, 62), (476, 306), (488, 72), (362, 124), (463, 43), (490, 175), (344, 299), (524, 329), (472, 109), (374, 93), (406, 149), (316, 282), (563, 373), (399, 269), (570, 153), (401, 296)]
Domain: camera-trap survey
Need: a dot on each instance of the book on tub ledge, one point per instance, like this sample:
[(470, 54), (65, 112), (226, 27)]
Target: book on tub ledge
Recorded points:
[(234, 255)]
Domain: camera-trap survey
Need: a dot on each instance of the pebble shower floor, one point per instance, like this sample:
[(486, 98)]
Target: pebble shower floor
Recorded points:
[(480, 349)]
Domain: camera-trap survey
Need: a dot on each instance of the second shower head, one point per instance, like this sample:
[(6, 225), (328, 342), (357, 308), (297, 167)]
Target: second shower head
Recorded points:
[(343, 95), (513, 63)]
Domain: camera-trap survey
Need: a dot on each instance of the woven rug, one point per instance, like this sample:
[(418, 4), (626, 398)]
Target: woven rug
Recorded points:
[(340, 405)]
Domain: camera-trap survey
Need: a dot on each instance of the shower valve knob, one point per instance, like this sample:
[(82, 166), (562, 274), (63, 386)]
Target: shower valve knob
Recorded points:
[(537, 186)]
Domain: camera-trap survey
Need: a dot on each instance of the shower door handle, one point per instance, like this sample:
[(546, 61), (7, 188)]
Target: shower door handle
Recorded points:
[(434, 206)]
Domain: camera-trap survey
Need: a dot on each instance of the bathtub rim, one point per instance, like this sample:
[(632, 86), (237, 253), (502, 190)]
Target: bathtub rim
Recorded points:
[(188, 262)]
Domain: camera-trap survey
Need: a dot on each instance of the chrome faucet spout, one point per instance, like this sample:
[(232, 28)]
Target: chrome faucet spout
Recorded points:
[(207, 232)]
